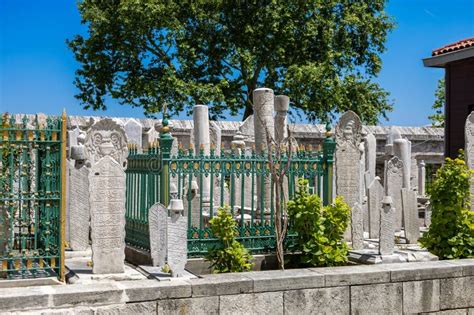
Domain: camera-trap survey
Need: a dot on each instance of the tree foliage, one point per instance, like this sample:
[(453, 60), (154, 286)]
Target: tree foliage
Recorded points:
[(437, 119), (145, 53), (320, 229), (451, 233)]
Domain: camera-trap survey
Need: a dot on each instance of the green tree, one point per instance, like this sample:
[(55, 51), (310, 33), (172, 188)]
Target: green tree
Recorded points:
[(146, 53), (437, 119)]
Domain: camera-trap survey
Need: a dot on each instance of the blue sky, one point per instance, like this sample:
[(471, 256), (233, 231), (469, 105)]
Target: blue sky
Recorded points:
[(37, 69)]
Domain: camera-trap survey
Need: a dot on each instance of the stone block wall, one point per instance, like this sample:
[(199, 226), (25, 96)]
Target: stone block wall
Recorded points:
[(442, 287)]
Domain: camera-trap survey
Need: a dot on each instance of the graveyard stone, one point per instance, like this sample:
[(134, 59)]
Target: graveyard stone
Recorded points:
[(177, 243), (421, 178), (357, 227), (469, 149), (263, 104), (375, 196), (79, 210), (370, 157), (392, 135), (410, 216), (106, 146), (347, 170), (282, 104), (134, 130), (107, 203), (393, 186), (387, 231), (202, 141), (401, 149), (157, 224)]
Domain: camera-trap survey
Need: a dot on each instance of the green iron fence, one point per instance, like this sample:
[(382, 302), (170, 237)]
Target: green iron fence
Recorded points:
[(31, 197), (231, 178)]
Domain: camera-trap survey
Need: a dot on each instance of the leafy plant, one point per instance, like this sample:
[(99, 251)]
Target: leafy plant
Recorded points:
[(231, 256), (451, 233), (320, 228)]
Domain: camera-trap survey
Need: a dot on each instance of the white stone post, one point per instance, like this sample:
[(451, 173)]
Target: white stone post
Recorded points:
[(263, 104), (387, 231), (421, 178), (401, 148), (370, 157), (282, 104), (202, 141)]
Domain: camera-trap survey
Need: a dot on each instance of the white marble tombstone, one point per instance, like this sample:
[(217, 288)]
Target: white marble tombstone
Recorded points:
[(392, 135), (347, 168), (282, 104), (202, 141), (263, 105), (393, 186), (421, 178), (79, 209), (469, 149), (375, 194), (357, 227), (177, 242), (387, 230), (410, 216), (134, 132), (370, 157), (157, 225), (106, 146)]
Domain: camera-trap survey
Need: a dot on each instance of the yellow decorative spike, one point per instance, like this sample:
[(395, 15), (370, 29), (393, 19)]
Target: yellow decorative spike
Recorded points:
[(29, 264), (17, 264), (4, 265), (41, 263), (54, 136), (53, 263), (201, 147)]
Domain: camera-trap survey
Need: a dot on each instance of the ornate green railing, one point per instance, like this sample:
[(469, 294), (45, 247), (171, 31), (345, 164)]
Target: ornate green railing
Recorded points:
[(207, 182), (31, 197)]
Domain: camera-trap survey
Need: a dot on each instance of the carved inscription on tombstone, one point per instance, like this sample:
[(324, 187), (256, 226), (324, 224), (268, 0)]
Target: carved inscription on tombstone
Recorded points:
[(157, 223), (387, 237), (177, 243), (79, 212), (107, 153), (347, 157), (393, 186), (410, 216), (375, 196), (107, 202), (357, 227)]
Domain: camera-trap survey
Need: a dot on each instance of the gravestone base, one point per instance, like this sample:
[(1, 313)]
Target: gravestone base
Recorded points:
[(158, 274), (372, 257), (401, 253), (80, 272)]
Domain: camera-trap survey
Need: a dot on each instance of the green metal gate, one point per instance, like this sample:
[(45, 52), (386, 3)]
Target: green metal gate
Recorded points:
[(32, 197)]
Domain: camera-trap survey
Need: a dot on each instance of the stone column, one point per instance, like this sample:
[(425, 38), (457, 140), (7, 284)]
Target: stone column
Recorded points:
[(370, 158), (421, 178), (282, 104), (157, 225), (410, 216), (469, 149), (401, 149), (392, 135), (202, 141), (263, 105), (106, 146)]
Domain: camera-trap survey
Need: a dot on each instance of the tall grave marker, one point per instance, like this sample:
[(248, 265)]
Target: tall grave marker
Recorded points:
[(106, 146), (469, 149), (347, 169)]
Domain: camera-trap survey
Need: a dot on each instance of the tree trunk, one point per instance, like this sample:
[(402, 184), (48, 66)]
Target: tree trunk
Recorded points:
[(248, 110)]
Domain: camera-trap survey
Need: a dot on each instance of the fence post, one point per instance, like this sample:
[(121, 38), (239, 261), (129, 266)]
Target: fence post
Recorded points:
[(166, 142), (329, 146), (63, 197)]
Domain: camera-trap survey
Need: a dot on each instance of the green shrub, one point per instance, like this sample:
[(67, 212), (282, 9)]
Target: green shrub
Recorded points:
[(231, 256), (320, 229), (451, 233)]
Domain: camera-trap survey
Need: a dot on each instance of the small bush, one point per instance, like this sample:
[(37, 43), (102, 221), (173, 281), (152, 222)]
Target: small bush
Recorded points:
[(320, 229), (451, 233), (231, 256)]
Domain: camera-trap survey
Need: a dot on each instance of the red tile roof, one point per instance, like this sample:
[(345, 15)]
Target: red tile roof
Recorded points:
[(465, 43)]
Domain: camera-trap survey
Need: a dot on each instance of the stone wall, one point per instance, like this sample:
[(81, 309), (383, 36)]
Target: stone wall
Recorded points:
[(422, 287)]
